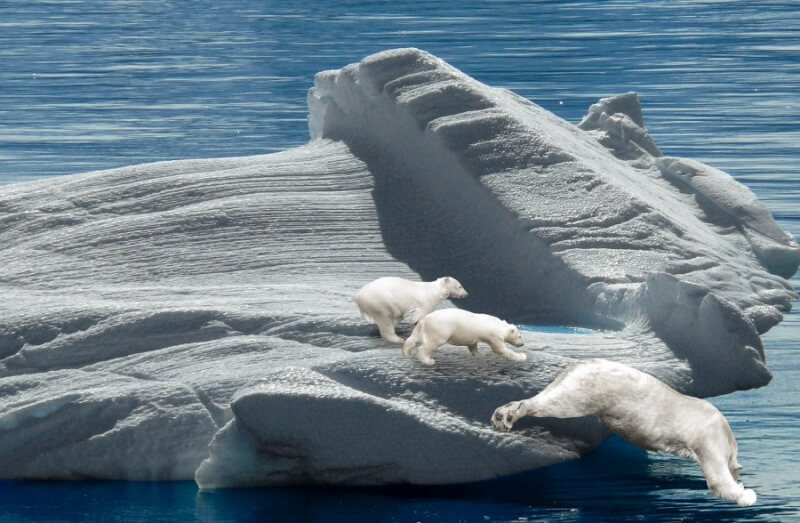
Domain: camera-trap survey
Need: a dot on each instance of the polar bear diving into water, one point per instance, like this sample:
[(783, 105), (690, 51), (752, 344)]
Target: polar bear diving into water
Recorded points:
[(459, 327), (645, 412), (386, 301)]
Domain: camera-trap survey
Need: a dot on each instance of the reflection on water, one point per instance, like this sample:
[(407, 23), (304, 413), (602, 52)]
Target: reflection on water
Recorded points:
[(616, 482)]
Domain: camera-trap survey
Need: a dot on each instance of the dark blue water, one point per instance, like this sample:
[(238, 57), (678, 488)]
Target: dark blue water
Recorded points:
[(616, 482), (94, 85), (556, 329)]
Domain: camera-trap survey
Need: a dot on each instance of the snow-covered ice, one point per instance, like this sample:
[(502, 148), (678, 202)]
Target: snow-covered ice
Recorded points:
[(194, 319)]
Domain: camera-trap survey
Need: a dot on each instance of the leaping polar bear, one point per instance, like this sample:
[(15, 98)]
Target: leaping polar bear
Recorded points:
[(644, 411), (386, 301)]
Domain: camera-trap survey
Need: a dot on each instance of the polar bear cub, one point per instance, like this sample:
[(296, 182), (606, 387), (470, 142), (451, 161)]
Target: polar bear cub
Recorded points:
[(459, 327), (386, 301), (644, 411)]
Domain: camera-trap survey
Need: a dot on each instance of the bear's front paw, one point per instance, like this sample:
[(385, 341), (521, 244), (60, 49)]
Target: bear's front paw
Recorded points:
[(504, 417), (747, 498), (425, 361), (517, 356)]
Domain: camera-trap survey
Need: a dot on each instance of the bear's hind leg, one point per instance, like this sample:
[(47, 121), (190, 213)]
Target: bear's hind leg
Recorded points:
[(409, 345), (413, 339), (387, 331), (424, 352), (473, 349)]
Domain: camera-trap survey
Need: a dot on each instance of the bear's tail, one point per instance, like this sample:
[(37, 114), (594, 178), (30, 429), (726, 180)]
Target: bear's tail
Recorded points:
[(413, 339)]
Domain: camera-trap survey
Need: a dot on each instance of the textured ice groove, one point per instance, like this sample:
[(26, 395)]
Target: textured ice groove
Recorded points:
[(195, 319)]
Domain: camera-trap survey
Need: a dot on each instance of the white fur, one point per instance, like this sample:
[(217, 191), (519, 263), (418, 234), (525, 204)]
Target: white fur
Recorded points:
[(386, 301), (459, 327), (644, 411)]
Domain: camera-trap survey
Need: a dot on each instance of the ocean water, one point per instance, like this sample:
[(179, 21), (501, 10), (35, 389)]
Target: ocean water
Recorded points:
[(95, 85)]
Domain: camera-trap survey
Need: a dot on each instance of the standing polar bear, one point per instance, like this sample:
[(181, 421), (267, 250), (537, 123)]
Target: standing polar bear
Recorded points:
[(459, 327), (386, 301), (644, 411)]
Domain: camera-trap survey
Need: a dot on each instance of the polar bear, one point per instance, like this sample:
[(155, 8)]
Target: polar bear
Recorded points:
[(644, 411), (386, 301), (459, 327)]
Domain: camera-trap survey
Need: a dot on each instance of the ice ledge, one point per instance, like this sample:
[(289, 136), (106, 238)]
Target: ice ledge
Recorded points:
[(300, 427)]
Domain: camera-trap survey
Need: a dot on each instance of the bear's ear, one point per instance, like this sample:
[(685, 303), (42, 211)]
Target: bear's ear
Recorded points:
[(448, 280)]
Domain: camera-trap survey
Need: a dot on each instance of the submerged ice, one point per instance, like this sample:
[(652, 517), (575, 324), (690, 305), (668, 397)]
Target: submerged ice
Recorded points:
[(194, 319)]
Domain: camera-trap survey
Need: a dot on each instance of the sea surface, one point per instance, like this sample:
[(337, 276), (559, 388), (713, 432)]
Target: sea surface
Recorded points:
[(96, 85)]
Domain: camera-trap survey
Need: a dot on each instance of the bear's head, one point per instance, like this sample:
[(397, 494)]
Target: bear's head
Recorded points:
[(514, 336), (454, 289)]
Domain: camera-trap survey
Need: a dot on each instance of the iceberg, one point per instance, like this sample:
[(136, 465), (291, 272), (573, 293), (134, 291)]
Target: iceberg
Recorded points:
[(194, 318)]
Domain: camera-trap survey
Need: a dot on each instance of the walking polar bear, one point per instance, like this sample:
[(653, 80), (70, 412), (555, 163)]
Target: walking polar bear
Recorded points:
[(459, 327), (386, 301), (644, 411)]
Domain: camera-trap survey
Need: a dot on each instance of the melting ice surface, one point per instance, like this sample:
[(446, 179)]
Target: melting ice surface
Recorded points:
[(193, 319)]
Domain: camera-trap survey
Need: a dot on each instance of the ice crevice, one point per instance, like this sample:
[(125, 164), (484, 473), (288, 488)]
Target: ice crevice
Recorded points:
[(194, 318)]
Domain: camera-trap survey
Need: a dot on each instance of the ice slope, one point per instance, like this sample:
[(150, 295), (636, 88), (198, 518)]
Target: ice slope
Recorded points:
[(594, 225), (195, 318)]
